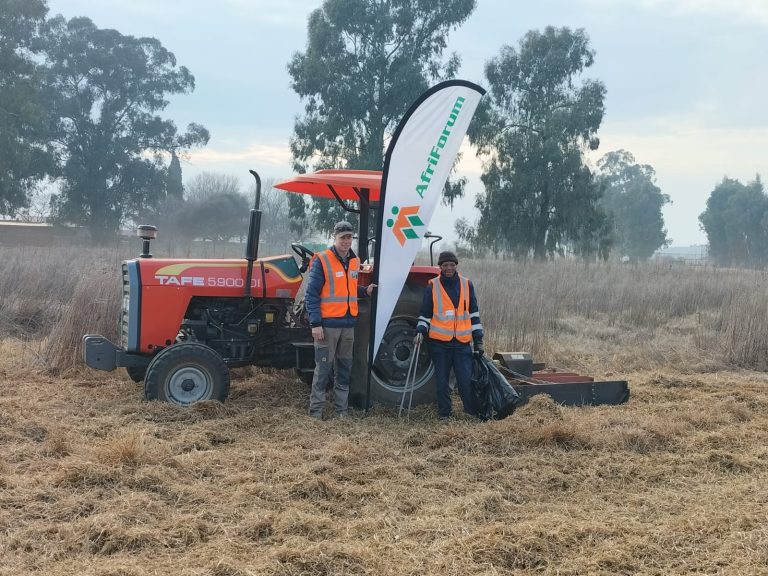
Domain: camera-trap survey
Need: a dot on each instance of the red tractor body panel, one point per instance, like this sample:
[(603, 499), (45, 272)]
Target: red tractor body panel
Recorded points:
[(417, 275), (168, 285)]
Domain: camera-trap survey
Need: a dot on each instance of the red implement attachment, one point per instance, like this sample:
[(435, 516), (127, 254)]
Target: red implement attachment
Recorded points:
[(568, 388), (555, 376)]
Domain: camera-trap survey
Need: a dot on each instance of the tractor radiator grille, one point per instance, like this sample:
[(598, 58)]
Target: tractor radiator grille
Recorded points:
[(125, 308)]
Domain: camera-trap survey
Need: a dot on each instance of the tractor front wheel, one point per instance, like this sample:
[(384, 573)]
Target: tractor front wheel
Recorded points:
[(186, 373)]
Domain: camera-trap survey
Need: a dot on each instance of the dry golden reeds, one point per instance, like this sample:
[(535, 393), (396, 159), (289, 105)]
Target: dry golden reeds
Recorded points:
[(624, 317), (94, 309), (745, 328), (565, 312)]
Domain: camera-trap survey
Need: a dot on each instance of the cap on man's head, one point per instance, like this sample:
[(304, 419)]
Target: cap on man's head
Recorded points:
[(447, 256), (343, 227)]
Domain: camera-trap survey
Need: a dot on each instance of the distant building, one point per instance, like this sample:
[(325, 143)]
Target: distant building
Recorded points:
[(14, 233), (696, 254)]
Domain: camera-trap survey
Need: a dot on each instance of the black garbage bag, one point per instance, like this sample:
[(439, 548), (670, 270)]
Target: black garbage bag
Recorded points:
[(495, 397)]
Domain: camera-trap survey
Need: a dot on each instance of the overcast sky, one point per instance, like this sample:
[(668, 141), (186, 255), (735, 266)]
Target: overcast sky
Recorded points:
[(686, 81)]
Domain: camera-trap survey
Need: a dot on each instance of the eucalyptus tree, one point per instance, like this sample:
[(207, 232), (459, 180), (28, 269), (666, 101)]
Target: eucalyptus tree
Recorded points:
[(25, 157), (533, 129), (634, 202), (736, 223), (106, 90), (364, 64)]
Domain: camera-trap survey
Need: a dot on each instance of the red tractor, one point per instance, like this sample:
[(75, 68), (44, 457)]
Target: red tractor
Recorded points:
[(186, 322)]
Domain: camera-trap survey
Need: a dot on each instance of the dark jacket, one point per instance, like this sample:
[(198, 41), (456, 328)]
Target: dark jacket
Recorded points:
[(315, 286), (453, 289)]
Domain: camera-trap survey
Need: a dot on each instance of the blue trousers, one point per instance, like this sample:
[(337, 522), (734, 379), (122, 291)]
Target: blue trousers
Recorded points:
[(445, 357)]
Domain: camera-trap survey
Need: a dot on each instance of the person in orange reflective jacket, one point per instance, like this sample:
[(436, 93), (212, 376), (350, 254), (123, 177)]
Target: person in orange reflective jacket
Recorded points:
[(451, 319), (331, 301)]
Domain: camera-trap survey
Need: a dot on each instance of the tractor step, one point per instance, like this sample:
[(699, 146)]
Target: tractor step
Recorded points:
[(305, 360)]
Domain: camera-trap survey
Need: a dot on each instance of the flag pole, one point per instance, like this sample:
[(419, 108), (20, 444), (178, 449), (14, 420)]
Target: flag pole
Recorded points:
[(375, 293)]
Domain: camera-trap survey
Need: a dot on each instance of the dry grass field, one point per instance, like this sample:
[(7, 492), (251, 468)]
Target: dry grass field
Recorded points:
[(96, 481)]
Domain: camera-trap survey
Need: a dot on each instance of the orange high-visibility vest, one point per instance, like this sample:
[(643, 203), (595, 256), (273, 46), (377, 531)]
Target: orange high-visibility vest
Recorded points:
[(449, 322), (339, 292)]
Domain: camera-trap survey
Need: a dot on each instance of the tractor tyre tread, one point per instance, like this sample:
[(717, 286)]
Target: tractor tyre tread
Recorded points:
[(136, 373)]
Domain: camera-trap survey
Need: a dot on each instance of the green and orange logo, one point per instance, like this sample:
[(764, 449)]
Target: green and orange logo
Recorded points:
[(403, 226)]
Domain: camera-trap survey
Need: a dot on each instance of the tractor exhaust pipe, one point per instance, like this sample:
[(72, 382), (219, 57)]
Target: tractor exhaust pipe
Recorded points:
[(437, 238), (254, 230)]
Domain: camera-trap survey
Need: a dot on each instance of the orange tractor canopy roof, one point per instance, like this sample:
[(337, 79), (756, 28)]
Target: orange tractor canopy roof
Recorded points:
[(345, 183)]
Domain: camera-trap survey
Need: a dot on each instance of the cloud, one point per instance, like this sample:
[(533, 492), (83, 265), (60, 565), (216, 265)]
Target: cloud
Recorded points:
[(222, 157), (280, 12), (257, 154), (263, 13), (747, 10), (269, 160), (469, 165), (684, 147)]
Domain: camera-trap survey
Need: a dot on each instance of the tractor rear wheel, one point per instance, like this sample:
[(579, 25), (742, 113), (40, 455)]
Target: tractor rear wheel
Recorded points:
[(394, 357), (186, 373)]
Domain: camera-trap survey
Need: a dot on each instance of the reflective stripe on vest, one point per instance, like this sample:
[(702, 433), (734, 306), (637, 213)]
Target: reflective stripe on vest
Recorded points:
[(339, 293), (449, 322)]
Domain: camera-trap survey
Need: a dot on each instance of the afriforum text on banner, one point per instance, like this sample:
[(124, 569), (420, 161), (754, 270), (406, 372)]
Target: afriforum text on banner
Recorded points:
[(418, 161)]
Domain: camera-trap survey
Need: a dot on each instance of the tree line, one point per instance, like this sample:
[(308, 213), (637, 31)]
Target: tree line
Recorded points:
[(736, 223), (366, 62), (82, 106)]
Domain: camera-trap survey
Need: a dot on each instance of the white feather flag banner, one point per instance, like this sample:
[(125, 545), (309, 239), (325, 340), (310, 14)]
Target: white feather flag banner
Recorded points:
[(419, 158)]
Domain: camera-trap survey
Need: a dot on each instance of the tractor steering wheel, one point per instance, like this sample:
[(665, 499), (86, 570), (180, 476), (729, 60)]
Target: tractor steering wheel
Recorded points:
[(304, 253)]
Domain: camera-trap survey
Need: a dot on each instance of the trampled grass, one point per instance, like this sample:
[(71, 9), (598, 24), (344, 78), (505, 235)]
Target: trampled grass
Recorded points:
[(94, 480)]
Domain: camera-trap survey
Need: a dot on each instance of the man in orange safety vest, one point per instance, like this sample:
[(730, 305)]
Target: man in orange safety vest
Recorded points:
[(331, 301), (451, 320)]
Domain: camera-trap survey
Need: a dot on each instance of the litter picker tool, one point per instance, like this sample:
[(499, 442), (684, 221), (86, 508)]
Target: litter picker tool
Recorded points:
[(410, 377)]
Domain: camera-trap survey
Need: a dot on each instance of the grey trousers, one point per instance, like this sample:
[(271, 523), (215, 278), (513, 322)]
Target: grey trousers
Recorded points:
[(334, 351)]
